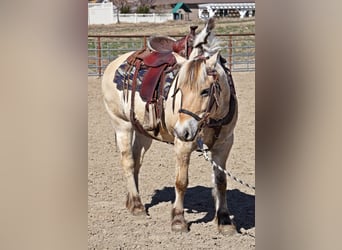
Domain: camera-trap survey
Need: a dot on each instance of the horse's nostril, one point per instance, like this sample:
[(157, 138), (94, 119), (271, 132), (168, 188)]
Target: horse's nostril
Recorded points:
[(186, 134)]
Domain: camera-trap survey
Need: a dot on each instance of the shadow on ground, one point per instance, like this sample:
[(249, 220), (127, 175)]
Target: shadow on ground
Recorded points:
[(199, 199)]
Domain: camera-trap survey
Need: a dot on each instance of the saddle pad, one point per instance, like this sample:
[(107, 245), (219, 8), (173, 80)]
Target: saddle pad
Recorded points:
[(123, 79)]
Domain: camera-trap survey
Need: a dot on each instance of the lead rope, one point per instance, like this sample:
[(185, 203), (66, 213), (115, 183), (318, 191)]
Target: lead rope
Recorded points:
[(214, 165), (207, 158)]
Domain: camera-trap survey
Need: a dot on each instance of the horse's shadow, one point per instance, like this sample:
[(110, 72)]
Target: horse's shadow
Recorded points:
[(199, 200)]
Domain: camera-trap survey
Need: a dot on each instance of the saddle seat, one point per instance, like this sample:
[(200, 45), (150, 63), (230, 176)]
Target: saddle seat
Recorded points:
[(161, 43), (166, 44)]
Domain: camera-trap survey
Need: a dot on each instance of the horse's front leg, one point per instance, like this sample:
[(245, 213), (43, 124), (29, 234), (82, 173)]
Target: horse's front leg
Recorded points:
[(183, 151), (219, 156)]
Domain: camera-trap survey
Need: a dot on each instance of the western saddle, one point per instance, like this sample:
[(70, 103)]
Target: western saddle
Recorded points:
[(158, 60)]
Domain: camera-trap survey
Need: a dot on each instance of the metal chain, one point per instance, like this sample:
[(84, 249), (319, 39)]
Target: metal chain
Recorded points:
[(207, 158)]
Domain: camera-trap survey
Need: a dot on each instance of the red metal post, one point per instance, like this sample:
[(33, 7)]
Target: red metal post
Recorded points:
[(230, 51), (145, 42)]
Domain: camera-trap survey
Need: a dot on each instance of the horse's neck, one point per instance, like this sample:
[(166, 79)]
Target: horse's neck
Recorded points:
[(172, 105)]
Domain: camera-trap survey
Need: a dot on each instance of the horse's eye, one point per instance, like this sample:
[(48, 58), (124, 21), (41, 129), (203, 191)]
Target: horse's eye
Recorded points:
[(205, 92)]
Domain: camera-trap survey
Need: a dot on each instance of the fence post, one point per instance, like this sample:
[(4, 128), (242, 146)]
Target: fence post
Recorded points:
[(99, 59), (145, 42), (230, 51)]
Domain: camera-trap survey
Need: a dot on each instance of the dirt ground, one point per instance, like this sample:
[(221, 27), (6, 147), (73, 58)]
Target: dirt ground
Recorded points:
[(111, 226)]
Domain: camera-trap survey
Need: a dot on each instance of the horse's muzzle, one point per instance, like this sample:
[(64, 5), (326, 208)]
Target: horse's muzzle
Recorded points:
[(187, 130)]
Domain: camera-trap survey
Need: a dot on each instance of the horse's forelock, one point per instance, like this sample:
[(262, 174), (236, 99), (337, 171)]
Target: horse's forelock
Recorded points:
[(193, 74)]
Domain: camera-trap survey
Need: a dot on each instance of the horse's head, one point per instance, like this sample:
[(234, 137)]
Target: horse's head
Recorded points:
[(203, 86), (204, 94)]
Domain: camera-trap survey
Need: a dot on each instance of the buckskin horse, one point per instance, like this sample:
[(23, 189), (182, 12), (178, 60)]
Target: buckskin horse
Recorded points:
[(179, 92)]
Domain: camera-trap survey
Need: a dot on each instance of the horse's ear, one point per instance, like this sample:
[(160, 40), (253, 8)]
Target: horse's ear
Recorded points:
[(213, 60), (180, 60)]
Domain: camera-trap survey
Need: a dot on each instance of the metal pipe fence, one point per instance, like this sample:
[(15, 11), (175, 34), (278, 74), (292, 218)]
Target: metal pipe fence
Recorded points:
[(238, 49)]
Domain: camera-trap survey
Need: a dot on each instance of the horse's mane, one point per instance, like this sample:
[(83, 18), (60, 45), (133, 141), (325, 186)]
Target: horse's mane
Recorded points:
[(193, 73), (213, 45), (206, 44)]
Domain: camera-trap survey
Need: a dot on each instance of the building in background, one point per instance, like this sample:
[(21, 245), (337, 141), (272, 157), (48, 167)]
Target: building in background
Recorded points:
[(180, 10), (241, 10), (165, 10), (205, 9)]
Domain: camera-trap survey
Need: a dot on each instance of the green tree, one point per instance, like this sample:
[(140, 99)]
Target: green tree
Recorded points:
[(143, 9)]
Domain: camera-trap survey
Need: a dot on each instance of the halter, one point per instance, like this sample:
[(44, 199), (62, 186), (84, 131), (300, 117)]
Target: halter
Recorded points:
[(214, 92)]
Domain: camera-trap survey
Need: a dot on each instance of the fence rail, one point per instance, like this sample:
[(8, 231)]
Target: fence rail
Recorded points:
[(238, 49)]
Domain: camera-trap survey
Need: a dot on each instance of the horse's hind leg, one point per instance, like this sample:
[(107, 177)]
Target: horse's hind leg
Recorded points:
[(219, 156), (140, 146), (131, 159)]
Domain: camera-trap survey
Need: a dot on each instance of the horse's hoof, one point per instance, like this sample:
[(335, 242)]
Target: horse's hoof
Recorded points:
[(179, 225), (138, 210), (228, 230), (134, 205)]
